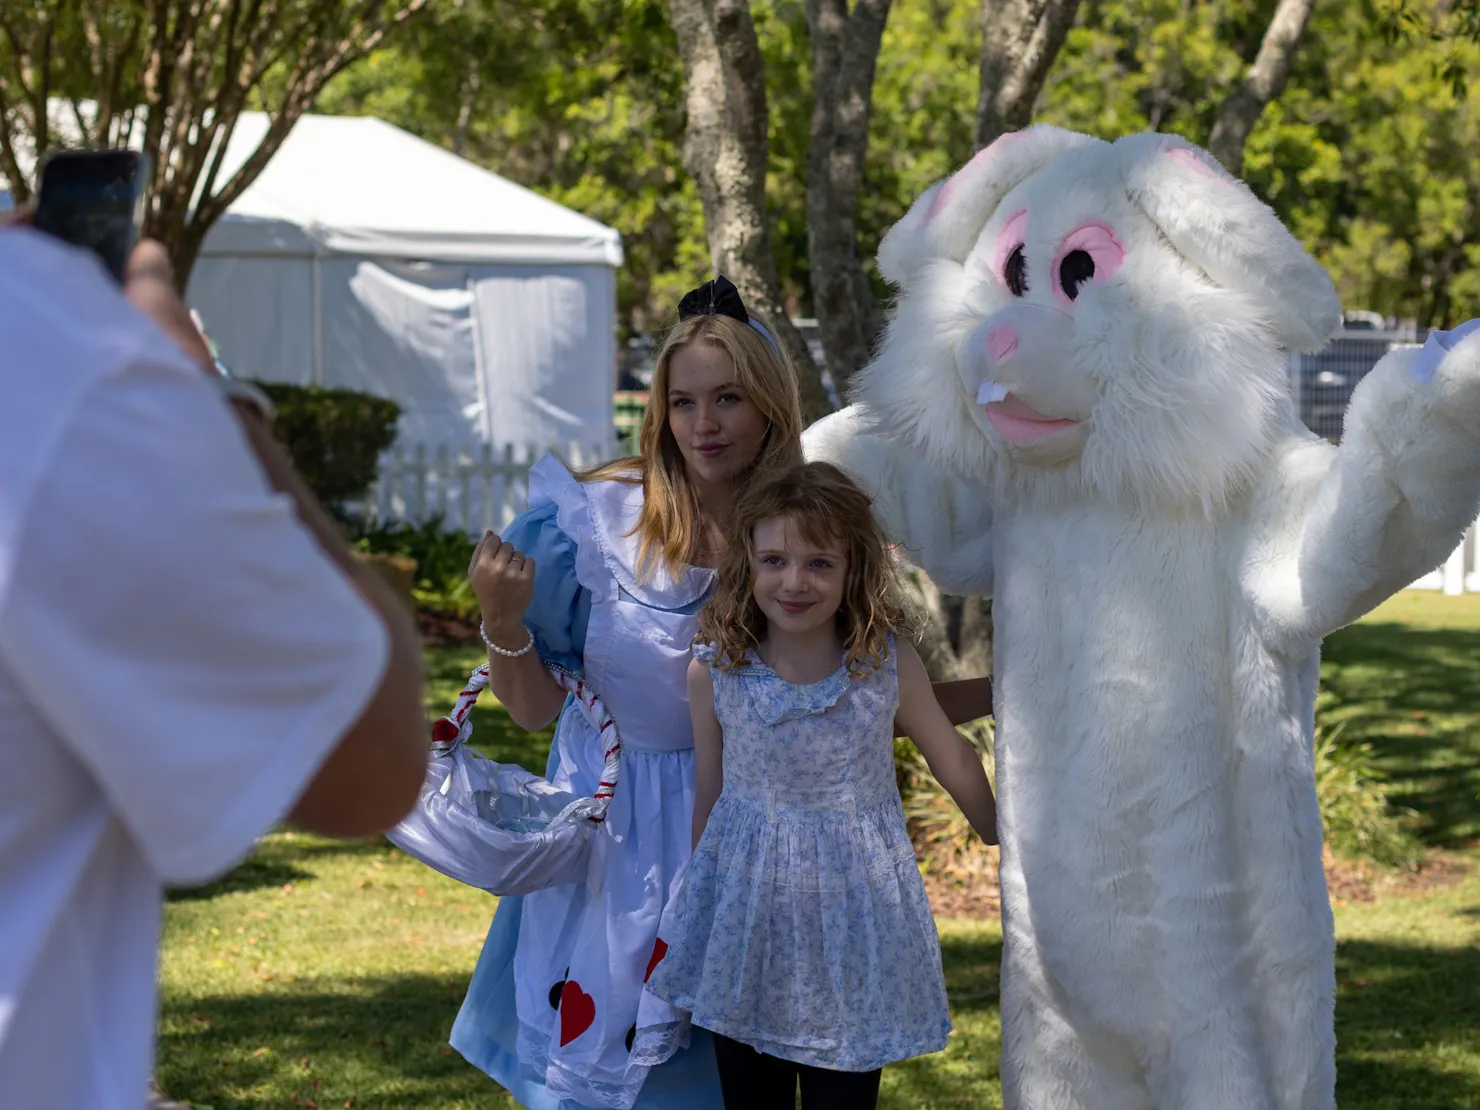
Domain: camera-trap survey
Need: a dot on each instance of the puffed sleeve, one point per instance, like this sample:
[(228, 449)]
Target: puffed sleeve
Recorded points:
[(561, 606)]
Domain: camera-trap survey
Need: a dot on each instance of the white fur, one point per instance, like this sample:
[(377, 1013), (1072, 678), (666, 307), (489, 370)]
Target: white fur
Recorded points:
[(1162, 580)]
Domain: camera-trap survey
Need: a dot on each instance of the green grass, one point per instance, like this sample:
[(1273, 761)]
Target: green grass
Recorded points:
[(1407, 679), (493, 732), (329, 974)]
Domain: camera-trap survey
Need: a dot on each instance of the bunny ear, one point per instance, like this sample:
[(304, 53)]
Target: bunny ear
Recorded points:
[(946, 219), (1213, 219)]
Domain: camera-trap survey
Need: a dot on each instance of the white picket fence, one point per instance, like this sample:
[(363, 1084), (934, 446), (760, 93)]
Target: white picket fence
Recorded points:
[(478, 487), (469, 487), (1460, 573)]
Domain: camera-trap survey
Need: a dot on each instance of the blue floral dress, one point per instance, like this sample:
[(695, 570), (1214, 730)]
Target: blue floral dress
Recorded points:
[(801, 927)]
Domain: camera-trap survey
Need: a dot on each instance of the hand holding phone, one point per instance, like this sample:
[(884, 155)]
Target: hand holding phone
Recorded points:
[(94, 199)]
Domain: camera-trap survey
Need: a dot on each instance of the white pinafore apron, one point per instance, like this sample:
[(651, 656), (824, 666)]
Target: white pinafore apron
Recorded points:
[(586, 948)]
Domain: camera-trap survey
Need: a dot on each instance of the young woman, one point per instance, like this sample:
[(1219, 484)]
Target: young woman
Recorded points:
[(606, 573)]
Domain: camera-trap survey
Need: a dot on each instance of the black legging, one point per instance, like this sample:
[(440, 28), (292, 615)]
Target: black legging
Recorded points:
[(751, 1080)]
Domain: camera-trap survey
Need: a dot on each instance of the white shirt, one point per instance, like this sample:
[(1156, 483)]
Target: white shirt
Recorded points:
[(177, 657)]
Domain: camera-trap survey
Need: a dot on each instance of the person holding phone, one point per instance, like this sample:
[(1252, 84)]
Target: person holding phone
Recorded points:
[(188, 655)]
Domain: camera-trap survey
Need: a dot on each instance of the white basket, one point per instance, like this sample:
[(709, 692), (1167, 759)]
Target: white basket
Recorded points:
[(495, 825)]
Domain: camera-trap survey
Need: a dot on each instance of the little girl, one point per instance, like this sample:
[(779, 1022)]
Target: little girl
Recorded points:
[(802, 937)]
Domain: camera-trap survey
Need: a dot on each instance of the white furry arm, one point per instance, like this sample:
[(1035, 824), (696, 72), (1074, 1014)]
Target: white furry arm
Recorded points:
[(1389, 504), (943, 525)]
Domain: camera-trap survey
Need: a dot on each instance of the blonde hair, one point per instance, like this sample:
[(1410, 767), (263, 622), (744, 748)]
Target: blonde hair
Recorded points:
[(824, 506), (667, 527)]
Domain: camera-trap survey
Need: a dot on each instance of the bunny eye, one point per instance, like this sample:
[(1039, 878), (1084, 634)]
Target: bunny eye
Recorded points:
[(1015, 272), (1077, 268)]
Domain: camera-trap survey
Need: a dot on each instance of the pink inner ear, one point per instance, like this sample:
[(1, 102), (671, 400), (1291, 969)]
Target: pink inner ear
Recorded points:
[(1013, 234), (942, 198), (1185, 157), (1099, 242)]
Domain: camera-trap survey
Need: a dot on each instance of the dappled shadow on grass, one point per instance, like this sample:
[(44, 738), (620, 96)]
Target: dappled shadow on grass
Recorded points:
[(1407, 1027), (381, 1043), (274, 862), (255, 872), (973, 967), (1414, 693)]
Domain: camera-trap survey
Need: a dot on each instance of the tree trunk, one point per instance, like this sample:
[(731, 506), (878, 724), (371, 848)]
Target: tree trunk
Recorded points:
[(1020, 40), (845, 49), (1241, 110), (726, 151)]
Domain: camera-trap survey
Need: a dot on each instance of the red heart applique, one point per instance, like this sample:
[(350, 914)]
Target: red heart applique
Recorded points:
[(660, 949), (577, 1012)]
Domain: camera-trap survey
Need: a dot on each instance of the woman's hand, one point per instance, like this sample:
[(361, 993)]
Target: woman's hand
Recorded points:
[(503, 581)]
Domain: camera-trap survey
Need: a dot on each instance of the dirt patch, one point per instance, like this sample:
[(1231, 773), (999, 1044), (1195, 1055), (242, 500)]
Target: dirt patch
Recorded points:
[(1361, 881), (446, 629), (973, 899), (959, 883), (972, 893)]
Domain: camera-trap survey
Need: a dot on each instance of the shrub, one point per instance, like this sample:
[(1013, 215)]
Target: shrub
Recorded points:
[(1361, 822), (954, 850), (441, 563), (335, 438)]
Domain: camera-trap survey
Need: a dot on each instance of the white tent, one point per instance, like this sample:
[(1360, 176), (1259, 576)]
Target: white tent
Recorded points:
[(365, 258)]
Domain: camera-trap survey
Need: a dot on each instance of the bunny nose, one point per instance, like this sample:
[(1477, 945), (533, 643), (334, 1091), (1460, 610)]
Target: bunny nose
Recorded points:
[(1001, 341)]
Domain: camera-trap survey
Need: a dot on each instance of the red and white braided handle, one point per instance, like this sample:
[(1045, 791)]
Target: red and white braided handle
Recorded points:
[(455, 728)]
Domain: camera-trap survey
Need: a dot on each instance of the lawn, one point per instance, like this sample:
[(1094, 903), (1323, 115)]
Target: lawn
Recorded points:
[(328, 975)]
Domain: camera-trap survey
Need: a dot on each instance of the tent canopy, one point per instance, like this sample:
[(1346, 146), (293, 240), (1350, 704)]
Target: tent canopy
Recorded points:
[(359, 186), (365, 258)]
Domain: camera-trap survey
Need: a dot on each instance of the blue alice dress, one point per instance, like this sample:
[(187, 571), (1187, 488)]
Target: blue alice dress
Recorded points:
[(801, 927), (551, 1013)]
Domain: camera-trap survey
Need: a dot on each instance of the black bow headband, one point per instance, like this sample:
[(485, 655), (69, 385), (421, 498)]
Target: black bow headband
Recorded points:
[(720, 298), (714, 298)]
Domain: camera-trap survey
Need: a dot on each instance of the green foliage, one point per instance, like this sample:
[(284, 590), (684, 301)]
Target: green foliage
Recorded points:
[(954, 849), (1367, 155), (581, 100), (1361, 821), (441, 563), (334, 436)]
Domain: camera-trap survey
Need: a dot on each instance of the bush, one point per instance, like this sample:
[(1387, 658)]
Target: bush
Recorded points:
[(954, 850), (1361, 822), (441, 563), (335, 438)]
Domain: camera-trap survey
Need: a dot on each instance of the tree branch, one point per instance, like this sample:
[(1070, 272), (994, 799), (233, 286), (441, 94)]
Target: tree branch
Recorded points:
[(1241, 110)]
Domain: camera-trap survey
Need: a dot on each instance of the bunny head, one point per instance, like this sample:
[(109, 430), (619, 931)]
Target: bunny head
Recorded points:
[(1082, 319)]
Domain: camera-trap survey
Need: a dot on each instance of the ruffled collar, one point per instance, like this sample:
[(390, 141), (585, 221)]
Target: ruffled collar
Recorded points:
[(611, 508), (615, 506), (776, 700)]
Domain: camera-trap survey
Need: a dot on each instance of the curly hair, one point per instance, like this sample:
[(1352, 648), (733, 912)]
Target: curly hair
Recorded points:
[(824, 506)]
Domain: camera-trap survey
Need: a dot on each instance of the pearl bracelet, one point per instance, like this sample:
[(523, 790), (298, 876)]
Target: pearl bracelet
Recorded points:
[(493, 647)]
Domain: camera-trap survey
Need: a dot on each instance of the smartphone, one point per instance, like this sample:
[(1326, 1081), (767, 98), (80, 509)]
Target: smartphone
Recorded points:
[(94, 199)]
